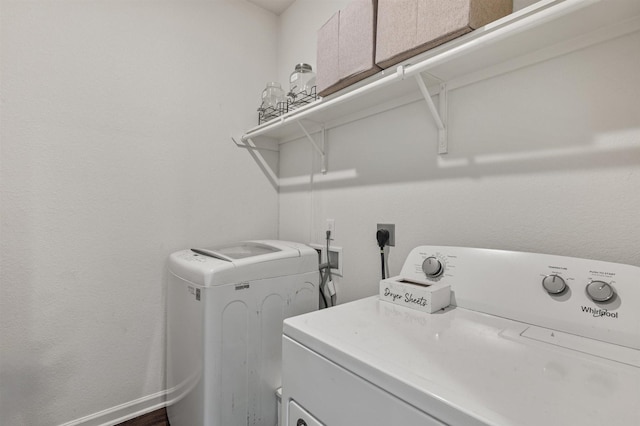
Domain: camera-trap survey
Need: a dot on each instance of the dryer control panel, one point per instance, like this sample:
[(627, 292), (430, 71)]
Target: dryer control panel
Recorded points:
[(590, 298)]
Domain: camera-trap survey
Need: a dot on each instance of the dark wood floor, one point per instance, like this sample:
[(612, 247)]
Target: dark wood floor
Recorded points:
[(155, 418)]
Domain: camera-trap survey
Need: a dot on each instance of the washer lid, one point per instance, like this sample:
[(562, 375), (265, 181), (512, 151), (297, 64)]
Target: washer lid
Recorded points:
[(243, 261), (237, 251)]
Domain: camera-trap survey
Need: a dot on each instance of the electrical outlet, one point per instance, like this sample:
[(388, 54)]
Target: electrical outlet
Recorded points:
[(331, 226), (392, 232)]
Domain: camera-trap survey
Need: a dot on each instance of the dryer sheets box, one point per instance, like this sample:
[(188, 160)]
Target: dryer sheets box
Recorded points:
[(420, 295)]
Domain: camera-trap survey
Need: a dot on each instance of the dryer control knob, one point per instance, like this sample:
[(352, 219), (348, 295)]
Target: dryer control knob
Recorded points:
[(600, 291), (554, 284), (432, 267)]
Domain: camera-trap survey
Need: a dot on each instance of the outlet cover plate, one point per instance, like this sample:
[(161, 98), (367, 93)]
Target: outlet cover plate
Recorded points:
[(392, 232)]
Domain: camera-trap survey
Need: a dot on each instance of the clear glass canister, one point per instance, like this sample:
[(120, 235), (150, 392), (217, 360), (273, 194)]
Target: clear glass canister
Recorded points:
[(272, 95), (302, 80)]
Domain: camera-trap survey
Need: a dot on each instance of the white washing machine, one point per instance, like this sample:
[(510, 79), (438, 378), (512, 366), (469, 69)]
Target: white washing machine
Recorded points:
[(226, 306), (528, 340)]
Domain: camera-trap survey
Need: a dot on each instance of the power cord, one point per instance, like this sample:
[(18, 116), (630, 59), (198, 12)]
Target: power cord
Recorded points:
[(328, 259), (331, 287), (327, 287), (383, 238), (323, 282)]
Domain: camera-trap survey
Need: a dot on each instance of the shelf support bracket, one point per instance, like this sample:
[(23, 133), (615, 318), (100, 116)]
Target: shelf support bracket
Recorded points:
[(439, 116), (256, 152), (249, 144), (321, 151), (443, 136)]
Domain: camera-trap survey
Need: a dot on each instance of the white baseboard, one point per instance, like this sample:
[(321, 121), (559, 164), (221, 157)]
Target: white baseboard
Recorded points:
[(123, 412)]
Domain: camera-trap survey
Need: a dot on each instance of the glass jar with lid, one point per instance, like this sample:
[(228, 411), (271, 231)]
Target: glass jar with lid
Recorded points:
[(301, 81), (272, 95)]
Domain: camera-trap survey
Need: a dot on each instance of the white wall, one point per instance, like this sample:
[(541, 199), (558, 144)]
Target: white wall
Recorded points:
[(115, 151), (545, 159)]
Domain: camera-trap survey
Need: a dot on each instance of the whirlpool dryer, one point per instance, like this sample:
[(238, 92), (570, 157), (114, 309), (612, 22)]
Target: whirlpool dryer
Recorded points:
[(528, 340), (226, 306)]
